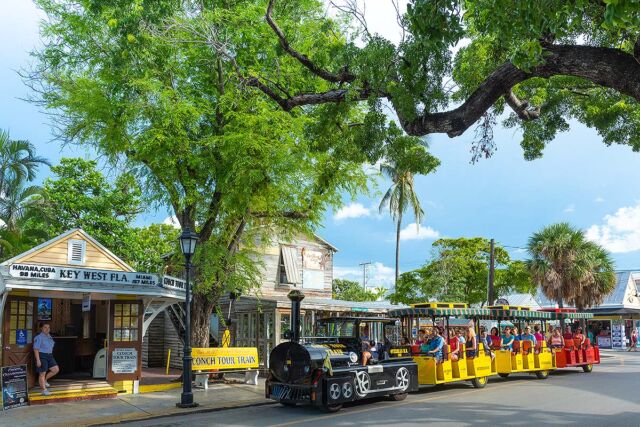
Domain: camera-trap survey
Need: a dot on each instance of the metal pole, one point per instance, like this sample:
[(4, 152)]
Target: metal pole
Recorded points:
[(186, 398), (491, 272)]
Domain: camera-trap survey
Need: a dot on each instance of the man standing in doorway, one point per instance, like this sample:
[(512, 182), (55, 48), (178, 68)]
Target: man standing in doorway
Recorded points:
[(46, 365)]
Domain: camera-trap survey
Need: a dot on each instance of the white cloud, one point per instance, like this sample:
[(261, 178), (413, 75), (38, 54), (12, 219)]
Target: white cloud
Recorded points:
[(619, 232), (413, 232), (352, 210), (599, 200), (172, 221), (379, 275), (569, 209)]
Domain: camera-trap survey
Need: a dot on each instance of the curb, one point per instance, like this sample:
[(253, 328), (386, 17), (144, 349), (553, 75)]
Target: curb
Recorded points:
[(180, 414)]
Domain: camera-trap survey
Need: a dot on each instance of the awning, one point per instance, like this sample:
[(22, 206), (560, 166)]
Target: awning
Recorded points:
[(439, 312)]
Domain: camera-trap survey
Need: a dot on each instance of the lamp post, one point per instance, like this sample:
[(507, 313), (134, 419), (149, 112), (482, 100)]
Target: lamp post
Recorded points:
[(188, 241)]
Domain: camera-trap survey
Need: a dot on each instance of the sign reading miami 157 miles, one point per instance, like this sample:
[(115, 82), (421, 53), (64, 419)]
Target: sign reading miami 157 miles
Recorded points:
[(15, 392), (224, 358)]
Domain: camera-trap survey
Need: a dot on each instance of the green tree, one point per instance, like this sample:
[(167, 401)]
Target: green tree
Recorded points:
[(350, 290), (569, 268), (149, 248), (150, 85), (80, 196), (406, 159), (547, 62), (458, 271)]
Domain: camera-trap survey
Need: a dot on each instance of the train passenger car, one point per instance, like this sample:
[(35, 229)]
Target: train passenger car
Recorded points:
[(523, 356), (473, 366), (575, 353), (355, 358)]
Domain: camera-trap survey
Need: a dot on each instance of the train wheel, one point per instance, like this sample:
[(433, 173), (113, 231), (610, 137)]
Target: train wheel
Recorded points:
[(503, 375), (587, 368), (479, 382), (332, 408), (542, 374), (398, 397)]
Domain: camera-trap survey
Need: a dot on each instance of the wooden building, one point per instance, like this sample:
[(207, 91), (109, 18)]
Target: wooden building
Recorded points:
[(95, 303)]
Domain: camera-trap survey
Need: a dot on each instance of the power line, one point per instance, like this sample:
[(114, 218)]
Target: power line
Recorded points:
[(365, 273)]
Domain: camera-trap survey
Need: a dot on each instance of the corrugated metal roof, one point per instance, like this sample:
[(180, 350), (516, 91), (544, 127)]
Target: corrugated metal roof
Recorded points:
[(526, 300)]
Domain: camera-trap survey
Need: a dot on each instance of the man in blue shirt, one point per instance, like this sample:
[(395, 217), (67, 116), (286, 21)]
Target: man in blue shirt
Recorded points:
[(436, 344), (46, 365), (528, 336)]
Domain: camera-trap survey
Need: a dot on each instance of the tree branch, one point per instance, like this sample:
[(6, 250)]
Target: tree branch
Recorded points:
[(285, 214), (344, 76), (521, 108)]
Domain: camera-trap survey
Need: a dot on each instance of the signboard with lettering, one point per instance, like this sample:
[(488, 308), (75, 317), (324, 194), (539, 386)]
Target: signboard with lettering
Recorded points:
[(215, 358), (15, 392), (68, 274), (312, 260), (124, 360), (173, 283), (49, 272)]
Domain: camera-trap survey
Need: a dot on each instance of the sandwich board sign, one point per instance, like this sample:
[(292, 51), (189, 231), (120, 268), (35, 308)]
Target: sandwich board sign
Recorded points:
[(15, 391)]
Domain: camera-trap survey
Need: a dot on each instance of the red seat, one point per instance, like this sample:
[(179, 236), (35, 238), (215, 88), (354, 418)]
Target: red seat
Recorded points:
[(568, 343), (495, 342), (516, 347), (415, 349), (526, 347)]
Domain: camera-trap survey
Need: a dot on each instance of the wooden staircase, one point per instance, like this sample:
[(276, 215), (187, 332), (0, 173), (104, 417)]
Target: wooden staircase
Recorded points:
[(67, 390)]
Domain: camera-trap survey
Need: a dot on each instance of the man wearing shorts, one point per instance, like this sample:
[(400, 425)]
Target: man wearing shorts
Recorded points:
[(46, 365)]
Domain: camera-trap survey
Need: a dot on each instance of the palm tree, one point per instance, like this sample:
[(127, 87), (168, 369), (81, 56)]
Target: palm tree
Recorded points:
[(17, 200), (400, 196), (569, 268), (18, 161)]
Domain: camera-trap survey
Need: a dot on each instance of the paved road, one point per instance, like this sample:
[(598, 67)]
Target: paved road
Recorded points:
[(609, 396)]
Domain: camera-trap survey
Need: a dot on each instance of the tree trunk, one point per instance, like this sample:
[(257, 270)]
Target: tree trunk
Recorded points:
[(201, 308), (398, 227), (561, 305)]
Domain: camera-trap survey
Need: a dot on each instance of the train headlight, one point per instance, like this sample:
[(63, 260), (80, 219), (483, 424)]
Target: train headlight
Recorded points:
[(353, 357)]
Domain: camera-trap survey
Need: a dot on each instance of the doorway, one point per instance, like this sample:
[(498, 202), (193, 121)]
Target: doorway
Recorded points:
[(18, 332)]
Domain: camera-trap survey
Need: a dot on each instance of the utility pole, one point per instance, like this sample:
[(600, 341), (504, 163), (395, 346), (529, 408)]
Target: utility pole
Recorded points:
[(365, 271), (491, 296)]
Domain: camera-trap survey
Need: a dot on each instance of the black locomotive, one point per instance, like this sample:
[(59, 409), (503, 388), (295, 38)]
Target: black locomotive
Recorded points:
[(353, 358)]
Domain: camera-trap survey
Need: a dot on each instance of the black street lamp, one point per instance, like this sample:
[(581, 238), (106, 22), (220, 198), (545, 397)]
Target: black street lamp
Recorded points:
[(188, 241)]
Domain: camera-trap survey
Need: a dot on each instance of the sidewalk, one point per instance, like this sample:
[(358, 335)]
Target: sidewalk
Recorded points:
[(130, 407)]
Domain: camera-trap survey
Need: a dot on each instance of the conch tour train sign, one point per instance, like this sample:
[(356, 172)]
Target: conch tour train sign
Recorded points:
[(205, 359), (50, 272)]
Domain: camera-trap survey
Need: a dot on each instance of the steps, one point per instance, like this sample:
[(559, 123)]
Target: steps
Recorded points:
[(72, 390)]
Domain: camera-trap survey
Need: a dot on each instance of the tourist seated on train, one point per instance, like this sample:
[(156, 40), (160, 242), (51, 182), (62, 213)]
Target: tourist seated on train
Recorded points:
[(528, 336), (507, 339), (496, 339), (471, 345), (557, 340), (538, 334), (404, 340), (567, 333), (367, 353), (435, 347), (454, 348), (485, 339), (514, 332), (422, 337), (579, 339)]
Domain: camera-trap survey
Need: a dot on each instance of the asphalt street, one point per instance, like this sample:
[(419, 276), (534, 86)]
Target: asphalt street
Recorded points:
[(609, 396)]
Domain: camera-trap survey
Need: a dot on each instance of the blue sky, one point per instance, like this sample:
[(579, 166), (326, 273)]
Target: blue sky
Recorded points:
[(579, 180)]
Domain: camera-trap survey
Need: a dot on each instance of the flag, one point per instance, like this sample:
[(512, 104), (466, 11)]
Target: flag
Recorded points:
[(327, 364)]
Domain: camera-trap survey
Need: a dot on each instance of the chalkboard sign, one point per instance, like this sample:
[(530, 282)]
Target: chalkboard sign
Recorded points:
[(15, 391)]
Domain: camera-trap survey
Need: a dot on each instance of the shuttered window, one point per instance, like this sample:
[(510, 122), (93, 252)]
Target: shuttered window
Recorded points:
[(289, 260), (76, 251)]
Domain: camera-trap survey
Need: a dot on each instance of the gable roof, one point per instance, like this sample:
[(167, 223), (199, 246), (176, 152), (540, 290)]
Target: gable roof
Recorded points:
[(43, 246)]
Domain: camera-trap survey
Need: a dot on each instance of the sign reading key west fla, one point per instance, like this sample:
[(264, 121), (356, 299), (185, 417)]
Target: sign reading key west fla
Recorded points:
[(205, 359)]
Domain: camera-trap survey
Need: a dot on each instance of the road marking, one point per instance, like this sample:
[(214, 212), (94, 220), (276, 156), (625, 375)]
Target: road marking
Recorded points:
[(375, 408)]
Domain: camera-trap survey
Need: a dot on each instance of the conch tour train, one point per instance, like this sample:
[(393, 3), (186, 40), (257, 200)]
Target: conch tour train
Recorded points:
[(355, 358)]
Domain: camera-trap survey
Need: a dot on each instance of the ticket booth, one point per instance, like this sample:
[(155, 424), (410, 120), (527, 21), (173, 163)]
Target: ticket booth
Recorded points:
[(98, 308)]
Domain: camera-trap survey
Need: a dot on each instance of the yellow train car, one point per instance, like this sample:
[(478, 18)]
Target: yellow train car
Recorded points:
[(475, 368)]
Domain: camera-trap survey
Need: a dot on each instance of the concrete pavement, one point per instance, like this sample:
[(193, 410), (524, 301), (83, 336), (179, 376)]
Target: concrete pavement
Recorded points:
[(133, 407), (609, 396)]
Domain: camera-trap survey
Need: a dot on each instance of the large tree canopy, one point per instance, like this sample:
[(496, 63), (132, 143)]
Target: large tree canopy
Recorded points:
[(546, 61), (157, 86), (458, 271)]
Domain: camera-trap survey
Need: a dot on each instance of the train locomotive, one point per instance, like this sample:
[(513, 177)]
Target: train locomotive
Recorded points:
[(355, 358)]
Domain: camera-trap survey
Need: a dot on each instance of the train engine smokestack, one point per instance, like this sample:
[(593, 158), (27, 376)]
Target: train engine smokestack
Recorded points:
[(296, 297)]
